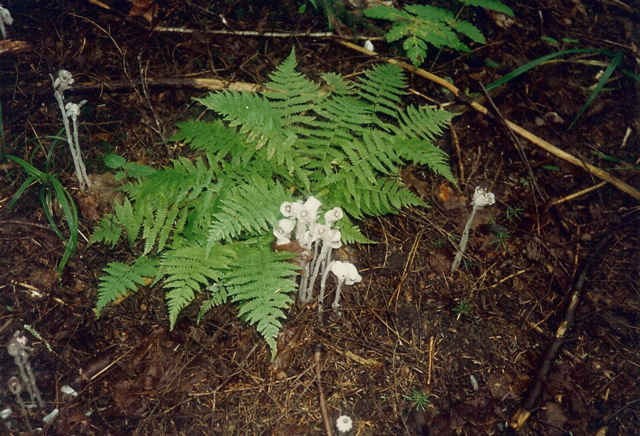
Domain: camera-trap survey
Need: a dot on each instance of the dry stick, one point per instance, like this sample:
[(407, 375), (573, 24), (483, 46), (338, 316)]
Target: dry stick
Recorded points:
[(619, 184), (323, 399), (520, 417)]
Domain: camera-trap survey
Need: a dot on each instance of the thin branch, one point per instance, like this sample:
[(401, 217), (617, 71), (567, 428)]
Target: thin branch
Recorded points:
[(323, 399), (521, 416)]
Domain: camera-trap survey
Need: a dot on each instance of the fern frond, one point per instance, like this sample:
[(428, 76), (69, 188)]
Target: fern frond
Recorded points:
[(291, 94), (383, 87), (252, 113), (185, 272), (493, 5), (120, 279), (217, 296), (259, 281), (107, 232), (130, 219), (423, 152), (423, 122), (248, 209), (215, 139), (388, 195)]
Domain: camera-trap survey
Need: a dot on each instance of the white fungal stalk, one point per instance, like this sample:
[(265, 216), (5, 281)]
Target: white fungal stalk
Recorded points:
[(71, 110), (481, 198)]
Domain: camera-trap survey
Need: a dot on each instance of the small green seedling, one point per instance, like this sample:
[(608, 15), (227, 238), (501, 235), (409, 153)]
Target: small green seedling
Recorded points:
[(462, 307), (514, 213), (501, 240), (127, 169), (419, 400)]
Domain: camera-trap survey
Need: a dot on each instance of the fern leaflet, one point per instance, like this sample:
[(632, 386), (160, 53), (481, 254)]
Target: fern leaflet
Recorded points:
[(120, 279)]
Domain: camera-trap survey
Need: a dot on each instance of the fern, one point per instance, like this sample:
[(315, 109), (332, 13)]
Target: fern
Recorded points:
[(203, 225), (260, 282), (185, 271), (122, 279), (420, 25)]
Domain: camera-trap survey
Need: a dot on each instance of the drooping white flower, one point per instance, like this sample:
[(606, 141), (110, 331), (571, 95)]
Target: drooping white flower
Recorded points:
[(73, 110), (346, 273), (344, 424), (5, 18), (333, 215), (63, 81), (309, 212), (482, 198), (283, 231), (368, 45)]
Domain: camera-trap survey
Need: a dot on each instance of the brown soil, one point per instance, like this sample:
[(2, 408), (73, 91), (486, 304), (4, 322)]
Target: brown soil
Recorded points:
[(474, 341)]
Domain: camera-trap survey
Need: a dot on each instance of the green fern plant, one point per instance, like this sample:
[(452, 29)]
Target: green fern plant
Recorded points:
[(421, 25), (204, 225)]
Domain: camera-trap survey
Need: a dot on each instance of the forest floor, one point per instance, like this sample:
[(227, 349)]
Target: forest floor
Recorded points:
[(418, 350)]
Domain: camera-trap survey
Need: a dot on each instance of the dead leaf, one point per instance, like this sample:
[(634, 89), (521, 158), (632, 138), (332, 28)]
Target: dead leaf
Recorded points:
[(450, 199), (147, 9), (289, 339), (500, 385), (552, 415), (43, 279), (9, 46)]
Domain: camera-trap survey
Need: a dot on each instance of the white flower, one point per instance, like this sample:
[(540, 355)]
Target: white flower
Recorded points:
[(288, 209), (482, 198), (63, 81), (346, 272), (309, 212), (5, 18), (334, 239), (320, 231), (333, 215), (344, 423), (283, 231), (368, 45), (73, 110)]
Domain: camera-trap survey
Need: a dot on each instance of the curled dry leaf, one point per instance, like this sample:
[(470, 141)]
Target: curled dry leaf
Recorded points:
[(147, 9)]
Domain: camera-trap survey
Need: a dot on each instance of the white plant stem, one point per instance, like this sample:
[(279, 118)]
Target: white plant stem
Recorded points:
[(464, 240)]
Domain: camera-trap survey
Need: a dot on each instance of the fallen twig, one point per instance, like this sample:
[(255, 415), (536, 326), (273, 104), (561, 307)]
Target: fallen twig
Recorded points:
[(522, 414), (323, 399), (619, 184)]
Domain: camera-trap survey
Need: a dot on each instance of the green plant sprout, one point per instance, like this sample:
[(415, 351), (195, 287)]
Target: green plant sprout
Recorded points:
[(127, 169), (421, 25), (419, 400), (51, 189), (602, 80), (514, 213), (462, 307), (501, 240), (204, 225)]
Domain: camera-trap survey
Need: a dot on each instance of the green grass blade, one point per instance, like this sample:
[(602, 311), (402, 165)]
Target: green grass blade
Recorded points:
[(603, 80), (71, 215), (537, 62), (21, 190)]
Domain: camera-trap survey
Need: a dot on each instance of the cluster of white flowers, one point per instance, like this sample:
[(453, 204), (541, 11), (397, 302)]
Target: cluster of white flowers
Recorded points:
[(318, 239), (71, 110), (481, 198)]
